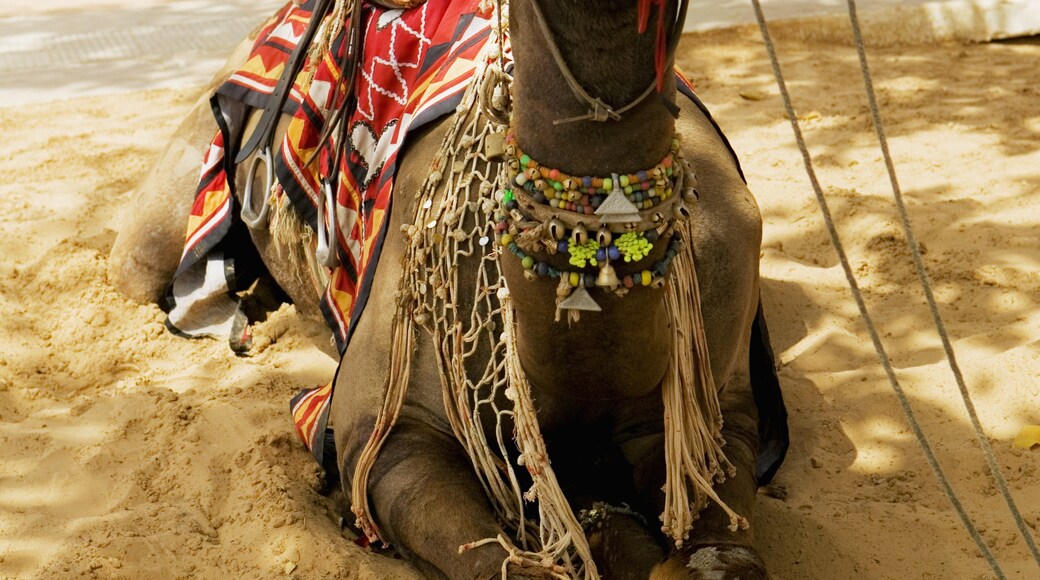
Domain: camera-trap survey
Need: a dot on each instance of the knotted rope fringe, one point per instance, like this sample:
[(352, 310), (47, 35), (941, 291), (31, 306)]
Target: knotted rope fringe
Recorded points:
[(452, 220), (330, 27), (692, 416), (295, 240), (554, 511), (401, 349)]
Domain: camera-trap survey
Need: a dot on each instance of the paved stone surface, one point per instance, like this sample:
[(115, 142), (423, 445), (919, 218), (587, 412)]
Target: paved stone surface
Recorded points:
[(85, 50), (54, 49)]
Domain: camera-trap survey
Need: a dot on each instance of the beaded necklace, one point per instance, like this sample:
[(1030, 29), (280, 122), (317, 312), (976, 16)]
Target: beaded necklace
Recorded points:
[(644, 189), (544, 210)]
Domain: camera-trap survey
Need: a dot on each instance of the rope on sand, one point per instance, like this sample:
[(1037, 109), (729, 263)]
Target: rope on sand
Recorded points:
[(857, 294), (926, 284)]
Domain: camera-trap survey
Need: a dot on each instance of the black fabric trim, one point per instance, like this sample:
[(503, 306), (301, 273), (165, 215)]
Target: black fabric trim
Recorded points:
[(173, 329), (205, 246), (333, 323), (773, 434), (468, 44), (210, 241), (437, 111), (301, 202)]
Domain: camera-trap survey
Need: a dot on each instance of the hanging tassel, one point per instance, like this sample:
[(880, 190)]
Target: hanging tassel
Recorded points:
[(692, 416), (643, 16), (661, 52), (660, 42), (553, 508)]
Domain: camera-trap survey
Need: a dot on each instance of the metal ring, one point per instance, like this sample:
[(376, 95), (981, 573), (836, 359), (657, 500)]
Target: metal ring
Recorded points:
[(325, 253), (258, 220)]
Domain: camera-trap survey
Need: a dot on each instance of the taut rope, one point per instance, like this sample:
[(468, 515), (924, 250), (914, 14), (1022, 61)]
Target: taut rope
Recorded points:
[(857, 295), (926, 285)]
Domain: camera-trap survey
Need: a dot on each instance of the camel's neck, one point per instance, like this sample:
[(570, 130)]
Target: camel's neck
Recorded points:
[(602, 47), (622, 351)]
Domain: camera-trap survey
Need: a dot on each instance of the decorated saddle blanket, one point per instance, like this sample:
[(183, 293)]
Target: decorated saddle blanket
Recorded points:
[(414, 66)]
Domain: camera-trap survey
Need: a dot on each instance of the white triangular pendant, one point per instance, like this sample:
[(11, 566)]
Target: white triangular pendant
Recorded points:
[(580, 300), (616, 204)]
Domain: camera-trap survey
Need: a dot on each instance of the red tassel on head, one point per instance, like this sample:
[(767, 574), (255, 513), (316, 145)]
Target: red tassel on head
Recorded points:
[(660, 43), (643, 15), (662, 47)]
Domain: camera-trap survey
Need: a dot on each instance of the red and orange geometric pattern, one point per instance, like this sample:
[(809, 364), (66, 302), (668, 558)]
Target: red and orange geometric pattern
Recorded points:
[(415, 65)]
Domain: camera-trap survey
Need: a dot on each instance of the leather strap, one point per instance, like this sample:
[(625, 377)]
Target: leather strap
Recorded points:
[(348, 66), (273, 109), (598, 110)]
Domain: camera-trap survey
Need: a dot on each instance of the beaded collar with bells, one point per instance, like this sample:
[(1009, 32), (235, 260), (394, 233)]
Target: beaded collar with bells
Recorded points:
[(594, 220)]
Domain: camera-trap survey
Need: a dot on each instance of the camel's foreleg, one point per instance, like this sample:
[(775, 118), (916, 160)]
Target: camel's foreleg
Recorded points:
[(428, 503), (713, 550)]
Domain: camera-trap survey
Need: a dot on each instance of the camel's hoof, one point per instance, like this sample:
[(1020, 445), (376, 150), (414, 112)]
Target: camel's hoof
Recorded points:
[(526, 573), (725, 562)]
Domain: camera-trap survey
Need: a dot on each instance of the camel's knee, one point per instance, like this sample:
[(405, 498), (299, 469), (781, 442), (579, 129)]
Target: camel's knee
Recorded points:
[(739, 415), (427, 502), (136, 276)]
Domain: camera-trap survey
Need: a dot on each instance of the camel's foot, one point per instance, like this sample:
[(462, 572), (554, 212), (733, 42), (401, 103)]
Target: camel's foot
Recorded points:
[(723, 562), (621, 545), (514, 572)]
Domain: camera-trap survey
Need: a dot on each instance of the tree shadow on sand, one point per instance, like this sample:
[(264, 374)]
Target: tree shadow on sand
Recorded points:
[(966, 140)]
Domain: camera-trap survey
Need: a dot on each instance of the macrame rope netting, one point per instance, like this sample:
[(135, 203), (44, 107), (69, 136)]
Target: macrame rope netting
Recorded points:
[(453, 289), (857, 294), (452, 222)]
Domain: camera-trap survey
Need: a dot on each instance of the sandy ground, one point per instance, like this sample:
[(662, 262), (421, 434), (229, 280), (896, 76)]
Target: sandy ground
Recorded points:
[(128, 452)]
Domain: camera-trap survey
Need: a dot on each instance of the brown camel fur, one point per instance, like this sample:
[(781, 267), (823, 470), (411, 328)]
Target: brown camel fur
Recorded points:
[(596, 382)]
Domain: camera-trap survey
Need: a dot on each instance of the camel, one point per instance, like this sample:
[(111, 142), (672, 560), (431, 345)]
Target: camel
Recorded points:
[(596, 379)]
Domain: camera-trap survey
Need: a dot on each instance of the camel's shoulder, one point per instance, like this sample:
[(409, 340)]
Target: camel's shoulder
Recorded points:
[(725, 199)]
